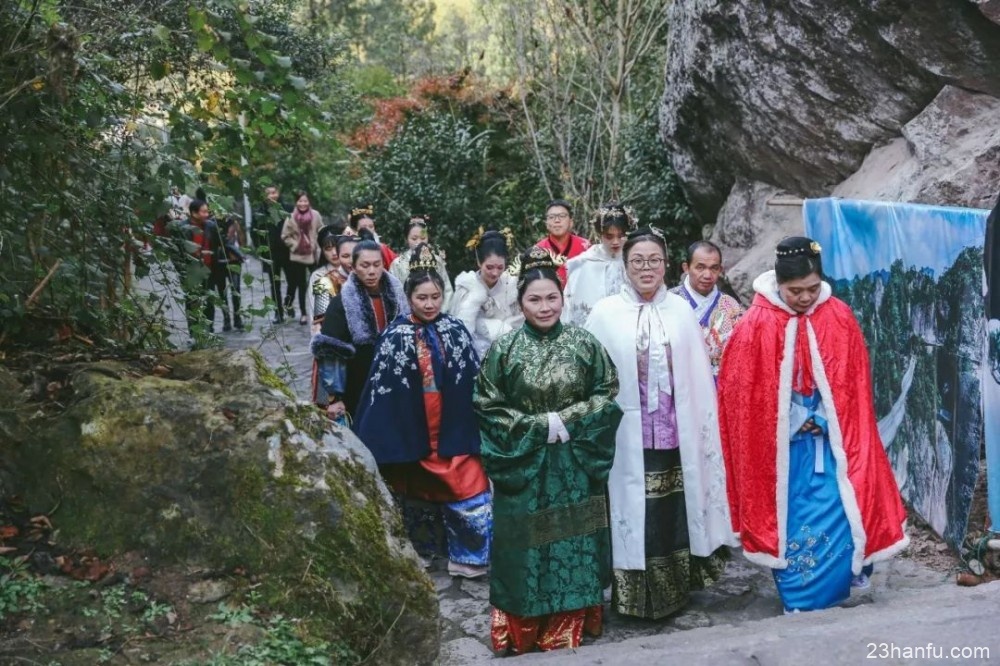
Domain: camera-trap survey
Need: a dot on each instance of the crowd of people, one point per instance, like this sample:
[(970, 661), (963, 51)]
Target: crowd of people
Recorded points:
[(562, 421)]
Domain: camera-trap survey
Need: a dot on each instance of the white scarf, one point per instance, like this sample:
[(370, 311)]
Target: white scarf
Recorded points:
[(651, 337), (702, 303)]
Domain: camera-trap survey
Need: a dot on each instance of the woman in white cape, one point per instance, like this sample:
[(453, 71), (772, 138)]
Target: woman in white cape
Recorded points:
[(600, 271), (667, 489), (486, 299)]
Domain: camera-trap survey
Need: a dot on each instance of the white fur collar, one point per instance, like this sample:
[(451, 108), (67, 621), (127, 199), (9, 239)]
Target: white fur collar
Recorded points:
[(766, 285)]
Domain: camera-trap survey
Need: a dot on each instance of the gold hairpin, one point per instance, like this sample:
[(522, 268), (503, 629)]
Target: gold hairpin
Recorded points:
[(426, 260)]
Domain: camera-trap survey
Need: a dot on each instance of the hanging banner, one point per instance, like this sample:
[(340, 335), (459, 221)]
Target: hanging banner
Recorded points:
[(913, 275), (991, 366)]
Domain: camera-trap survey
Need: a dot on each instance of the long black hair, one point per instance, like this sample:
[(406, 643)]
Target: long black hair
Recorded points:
[(491, 244)]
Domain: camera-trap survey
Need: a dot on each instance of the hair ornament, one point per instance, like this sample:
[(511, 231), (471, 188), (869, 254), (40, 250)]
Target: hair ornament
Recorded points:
[(647, 231), (813, 250), (614, 210), (475, 240), (508, 236), (366, 211), (424, 259)]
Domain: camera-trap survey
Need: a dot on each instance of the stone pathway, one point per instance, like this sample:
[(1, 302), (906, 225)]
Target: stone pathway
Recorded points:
[(745, 595)]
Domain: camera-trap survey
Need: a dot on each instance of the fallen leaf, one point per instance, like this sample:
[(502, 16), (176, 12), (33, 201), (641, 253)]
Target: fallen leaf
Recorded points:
[(8, 531), (228, 413), (41, 520), (162, 370)]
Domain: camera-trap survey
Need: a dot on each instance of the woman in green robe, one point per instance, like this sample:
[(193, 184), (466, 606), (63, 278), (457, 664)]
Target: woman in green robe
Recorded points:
[(545, 399)]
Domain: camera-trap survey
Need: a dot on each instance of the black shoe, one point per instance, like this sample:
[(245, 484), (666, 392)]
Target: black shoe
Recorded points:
[(238, 324), (279, 319), (226, 327)]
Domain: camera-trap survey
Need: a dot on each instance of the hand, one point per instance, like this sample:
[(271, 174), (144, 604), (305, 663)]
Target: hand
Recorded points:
[(811, 427), (336, 409)]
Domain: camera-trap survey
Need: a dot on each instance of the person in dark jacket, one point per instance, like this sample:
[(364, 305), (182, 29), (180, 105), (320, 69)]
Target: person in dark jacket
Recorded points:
[(273, 253)]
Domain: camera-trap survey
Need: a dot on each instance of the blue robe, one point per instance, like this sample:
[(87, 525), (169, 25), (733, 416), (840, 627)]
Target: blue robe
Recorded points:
[(390, 417)]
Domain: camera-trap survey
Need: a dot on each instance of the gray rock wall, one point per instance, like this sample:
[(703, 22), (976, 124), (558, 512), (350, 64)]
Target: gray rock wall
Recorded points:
[(867, 99)]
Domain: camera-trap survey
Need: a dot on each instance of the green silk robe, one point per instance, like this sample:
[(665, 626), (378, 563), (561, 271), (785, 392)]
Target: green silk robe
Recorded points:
[(551, 547)]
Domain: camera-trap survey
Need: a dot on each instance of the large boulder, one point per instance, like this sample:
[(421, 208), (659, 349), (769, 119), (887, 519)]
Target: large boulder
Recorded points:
[(211, 464), (796, 94)]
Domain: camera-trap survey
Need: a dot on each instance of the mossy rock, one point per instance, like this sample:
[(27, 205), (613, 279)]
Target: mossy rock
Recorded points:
[(215, 466)]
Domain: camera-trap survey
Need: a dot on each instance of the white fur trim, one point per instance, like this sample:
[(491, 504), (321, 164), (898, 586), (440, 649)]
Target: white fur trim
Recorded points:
[(782, 444), (847, 495), (766, 284), (891, 551), (765, 560)]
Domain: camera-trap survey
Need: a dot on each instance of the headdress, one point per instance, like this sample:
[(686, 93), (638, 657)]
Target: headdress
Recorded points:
[(477, 238), (362, 211), (419, 220), (536, 257), (813, 249), (647, 231), (423, 258), (612, 211)]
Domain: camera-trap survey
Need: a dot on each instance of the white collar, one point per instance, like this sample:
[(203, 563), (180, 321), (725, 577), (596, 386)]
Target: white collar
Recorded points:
[(766, 285), (695, 295)]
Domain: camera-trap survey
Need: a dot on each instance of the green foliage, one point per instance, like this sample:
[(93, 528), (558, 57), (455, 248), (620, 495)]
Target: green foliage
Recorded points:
[(19, 588), (104, 105), (457, 161), (282, 642)]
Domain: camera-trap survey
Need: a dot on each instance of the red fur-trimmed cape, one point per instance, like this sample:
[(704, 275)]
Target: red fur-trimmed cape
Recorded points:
[(755, 386)]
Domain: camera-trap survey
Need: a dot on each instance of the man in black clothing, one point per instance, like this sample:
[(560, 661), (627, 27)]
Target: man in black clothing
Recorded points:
[(273, 253)]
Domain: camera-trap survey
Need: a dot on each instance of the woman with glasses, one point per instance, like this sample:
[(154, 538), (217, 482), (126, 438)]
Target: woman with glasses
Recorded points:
[(667, 489), (416, 234), (599, 271)]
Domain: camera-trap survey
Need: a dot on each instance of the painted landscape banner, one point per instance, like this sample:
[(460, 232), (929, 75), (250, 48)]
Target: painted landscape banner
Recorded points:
[(913, 275), (991, 365)]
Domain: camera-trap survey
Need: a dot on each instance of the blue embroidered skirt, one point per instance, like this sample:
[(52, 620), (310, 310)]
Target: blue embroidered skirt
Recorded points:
[(819, 547)]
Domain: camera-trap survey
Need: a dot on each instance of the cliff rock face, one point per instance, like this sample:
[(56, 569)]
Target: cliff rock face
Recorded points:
[(796, 96)]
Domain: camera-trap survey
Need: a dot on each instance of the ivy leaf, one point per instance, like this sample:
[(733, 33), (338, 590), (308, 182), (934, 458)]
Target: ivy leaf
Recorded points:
[(268, 107), (267, 129), (198, 19), (205, 41)]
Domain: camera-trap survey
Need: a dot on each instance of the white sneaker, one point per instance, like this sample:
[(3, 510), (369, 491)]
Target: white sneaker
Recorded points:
[(861, 582), (466, 570), (795, 611)]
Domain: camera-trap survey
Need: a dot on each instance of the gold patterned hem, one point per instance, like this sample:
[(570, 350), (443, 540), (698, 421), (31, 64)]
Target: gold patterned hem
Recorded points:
[(558, 523)]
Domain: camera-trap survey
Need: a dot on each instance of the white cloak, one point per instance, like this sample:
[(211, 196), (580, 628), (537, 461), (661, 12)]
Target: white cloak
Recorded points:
[(488, 313), (614, 321), (590, 277)]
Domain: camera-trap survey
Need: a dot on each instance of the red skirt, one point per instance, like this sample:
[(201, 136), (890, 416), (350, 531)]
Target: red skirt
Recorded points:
[(546, 632)]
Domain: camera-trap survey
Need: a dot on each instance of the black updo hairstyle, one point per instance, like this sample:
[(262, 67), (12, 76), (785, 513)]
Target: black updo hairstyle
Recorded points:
[(415, 221), (644, 234), (344, 239), (797, 257), (491, 244), (327, 236), (366, 242), (420, 274), (614, 214), (537, 264), (360, 212)]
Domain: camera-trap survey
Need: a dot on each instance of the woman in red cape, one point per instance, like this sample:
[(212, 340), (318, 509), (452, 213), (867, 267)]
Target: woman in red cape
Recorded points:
[(811, 491)]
